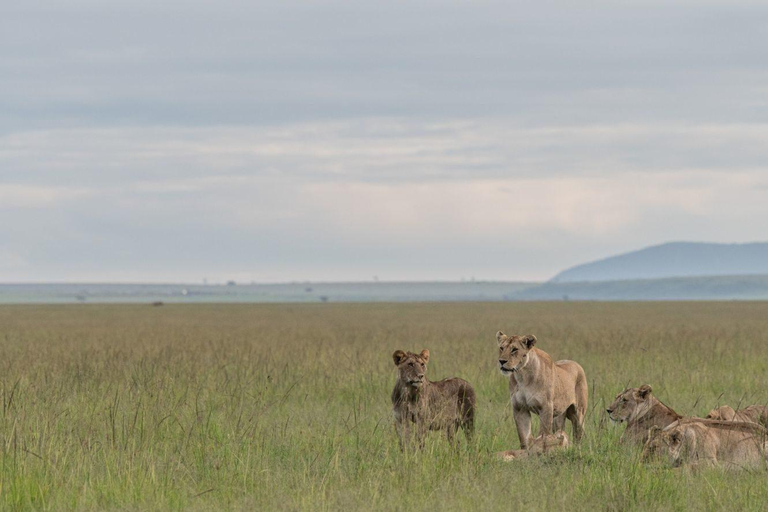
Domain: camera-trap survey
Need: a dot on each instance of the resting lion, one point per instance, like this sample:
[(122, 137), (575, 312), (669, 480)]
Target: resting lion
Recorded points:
[(538, 446), (752, 414), (553, 390), (641, 411), (699, 442), (444, 405)]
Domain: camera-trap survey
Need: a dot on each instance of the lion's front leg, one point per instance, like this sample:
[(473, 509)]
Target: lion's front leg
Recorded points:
[(450, 432), (546, 418), (421, 428), (403, 428), (523, 424)]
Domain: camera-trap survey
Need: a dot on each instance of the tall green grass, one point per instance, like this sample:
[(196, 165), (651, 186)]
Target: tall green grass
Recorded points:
[(287, 406)]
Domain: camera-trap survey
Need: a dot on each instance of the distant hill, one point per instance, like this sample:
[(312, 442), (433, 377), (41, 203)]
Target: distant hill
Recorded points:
[(674, 259)]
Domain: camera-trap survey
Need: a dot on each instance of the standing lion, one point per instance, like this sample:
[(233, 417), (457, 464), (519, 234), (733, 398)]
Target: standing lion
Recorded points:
[(553, 390), (421, 405)]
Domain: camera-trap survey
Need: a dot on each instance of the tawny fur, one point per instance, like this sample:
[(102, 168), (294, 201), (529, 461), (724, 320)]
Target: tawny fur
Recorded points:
[(700, 443), (753, 414), (641, 410), (540, 445), (420, 405), (553, 390)]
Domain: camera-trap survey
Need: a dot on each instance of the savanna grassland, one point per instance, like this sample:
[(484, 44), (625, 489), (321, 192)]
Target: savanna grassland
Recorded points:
[(286, 407)]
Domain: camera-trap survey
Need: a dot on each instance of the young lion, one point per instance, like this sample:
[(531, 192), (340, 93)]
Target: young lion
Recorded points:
[(698, 442), (641, 410), (752, 414), (553, 390), (539, 445), (444, 405)]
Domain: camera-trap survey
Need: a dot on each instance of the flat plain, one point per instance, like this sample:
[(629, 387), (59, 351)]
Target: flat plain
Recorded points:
[(286, 407)]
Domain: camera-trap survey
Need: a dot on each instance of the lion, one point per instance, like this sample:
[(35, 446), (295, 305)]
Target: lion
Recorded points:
[(444, 405), (553, 390), (538, 446), (751, 414), (641, 410), (699, 443)]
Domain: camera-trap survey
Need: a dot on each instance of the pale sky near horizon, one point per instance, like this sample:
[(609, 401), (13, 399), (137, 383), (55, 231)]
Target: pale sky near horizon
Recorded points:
[(289, 141)]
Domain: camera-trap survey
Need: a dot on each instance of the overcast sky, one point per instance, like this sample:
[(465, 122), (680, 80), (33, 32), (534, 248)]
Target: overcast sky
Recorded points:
[(282, 141)]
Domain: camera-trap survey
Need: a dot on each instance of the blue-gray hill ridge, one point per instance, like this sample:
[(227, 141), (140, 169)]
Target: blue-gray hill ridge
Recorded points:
[(674, 259)]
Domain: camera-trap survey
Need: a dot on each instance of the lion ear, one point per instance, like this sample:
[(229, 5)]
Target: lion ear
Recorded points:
[(398, 357), (500, 336), (653, 431), (529, 340), (425, 355), (644, 390)]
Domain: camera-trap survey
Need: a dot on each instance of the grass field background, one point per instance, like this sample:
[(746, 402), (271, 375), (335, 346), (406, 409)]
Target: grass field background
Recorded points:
[(287, 406)]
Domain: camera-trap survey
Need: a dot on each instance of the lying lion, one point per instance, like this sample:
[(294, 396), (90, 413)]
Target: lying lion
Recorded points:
[(751, 414), (641, 411), (538, 446), (444, 405), (553, 390), (698, 442)]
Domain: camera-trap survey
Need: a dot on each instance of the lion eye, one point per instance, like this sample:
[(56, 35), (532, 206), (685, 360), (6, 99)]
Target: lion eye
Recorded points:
[(410, 364)]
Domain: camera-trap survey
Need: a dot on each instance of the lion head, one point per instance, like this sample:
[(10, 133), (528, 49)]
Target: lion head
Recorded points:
[(539, 445), (513, 352), (627, 403), (411, 368), (724, 412), (546, 442), (663, 444)]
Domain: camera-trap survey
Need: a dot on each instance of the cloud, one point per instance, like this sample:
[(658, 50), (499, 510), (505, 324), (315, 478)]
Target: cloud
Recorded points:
[(377, 150), (21, 197), (11, 261), (345, 139), (269, 228), (260, 63)]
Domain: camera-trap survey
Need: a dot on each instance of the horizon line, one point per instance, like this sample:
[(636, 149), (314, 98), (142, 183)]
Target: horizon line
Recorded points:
[(271, 283)]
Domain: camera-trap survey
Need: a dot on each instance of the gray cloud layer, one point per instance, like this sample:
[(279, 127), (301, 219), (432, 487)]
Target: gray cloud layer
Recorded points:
[(338, 140), (245, 63)]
